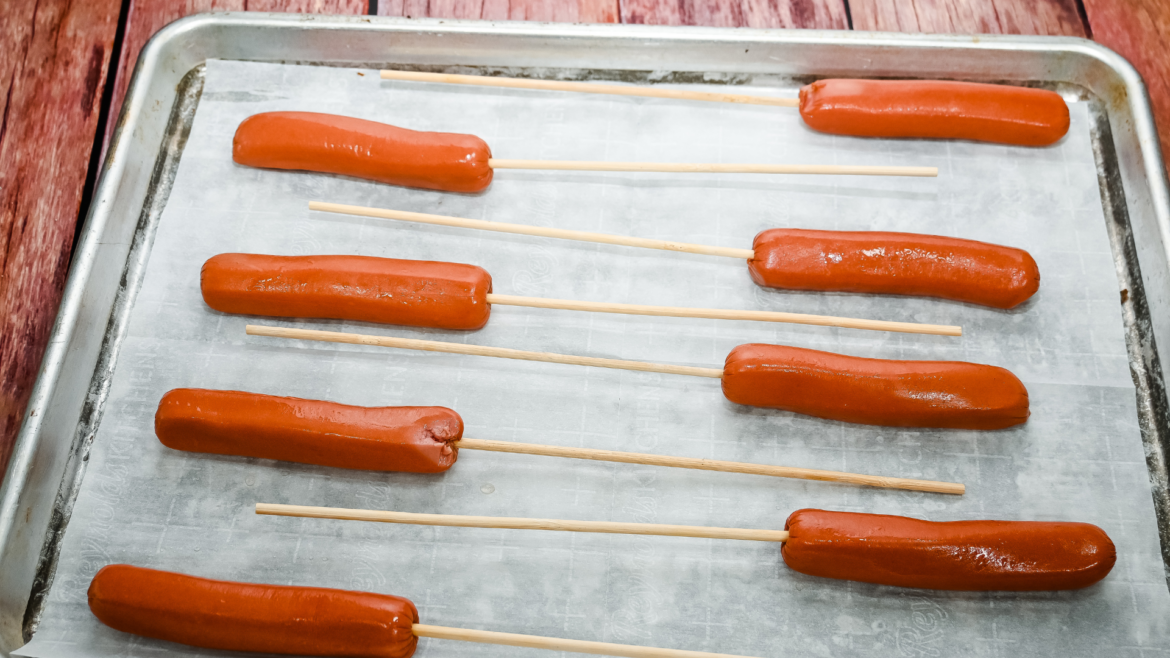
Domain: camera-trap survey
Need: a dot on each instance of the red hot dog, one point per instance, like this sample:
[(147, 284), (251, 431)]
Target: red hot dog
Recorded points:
[(415, 293), (332, 144), (217, 614), (956, 555), (935, 109), (402, 439), (894, 264), (943, 394)]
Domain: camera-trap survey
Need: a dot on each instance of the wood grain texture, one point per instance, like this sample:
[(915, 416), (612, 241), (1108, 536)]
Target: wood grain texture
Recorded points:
[(54, 56), (149, 16), (1139, 31), (811, 14), (1048, 17), (561, 11)]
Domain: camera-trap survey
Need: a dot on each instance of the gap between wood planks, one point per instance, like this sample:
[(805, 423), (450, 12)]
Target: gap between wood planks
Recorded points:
[(53, 67)]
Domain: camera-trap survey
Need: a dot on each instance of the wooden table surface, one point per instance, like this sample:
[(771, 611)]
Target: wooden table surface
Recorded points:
[(65, 65)]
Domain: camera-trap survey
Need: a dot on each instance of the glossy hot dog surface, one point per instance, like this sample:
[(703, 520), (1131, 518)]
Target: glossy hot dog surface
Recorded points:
[(218, 614), (955, 555), (332, 144), (405, 439), (894, 264), (935, 109), (415, 293), (945, 394)]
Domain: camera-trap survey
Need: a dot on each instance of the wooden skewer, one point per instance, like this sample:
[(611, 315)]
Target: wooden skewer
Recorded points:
[(478, 350), (540, 231), (908, 484), (722, 314), (713, 168), (454, 520), (557, 644), (588, 87)]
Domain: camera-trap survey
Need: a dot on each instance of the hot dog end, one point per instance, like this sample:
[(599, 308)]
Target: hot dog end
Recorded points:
[(401, 439)]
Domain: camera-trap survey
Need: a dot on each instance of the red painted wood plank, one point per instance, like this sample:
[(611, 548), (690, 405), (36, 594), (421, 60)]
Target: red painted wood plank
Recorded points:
[(829, 14), (1049, 17), (819, 14), (1139, 31), (564, 11), (149, 16), (54, 56)]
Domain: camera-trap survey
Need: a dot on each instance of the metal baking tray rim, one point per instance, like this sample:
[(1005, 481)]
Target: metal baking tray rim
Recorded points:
[(50, 449)]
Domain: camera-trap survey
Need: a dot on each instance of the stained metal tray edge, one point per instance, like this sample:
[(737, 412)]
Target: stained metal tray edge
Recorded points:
[(49, 454)]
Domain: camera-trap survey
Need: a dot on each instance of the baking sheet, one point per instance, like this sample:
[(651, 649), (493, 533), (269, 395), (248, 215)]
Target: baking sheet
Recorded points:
[(1078, 458)]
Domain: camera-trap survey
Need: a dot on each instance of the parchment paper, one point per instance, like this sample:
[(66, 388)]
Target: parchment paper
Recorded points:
[(1079, 458)]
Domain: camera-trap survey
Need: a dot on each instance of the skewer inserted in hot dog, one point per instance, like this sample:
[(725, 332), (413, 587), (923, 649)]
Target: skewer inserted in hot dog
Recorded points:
[(947, 394), (402, 439), (936, 109), (448, 162), (304, 621), (870, 548)]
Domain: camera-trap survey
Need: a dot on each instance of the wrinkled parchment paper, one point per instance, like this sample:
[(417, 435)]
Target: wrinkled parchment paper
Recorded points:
[(1079, 458)]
